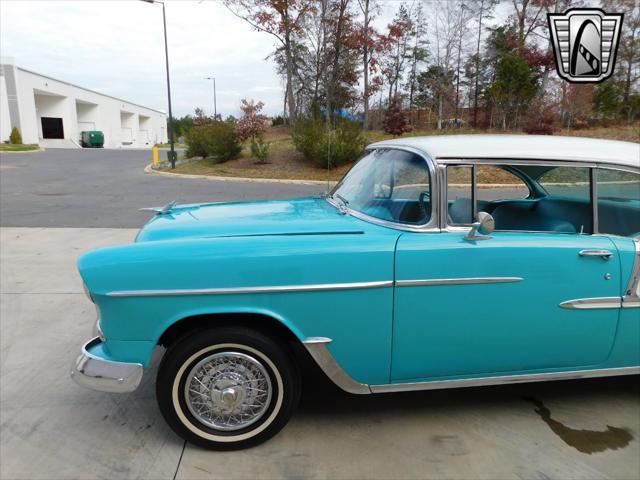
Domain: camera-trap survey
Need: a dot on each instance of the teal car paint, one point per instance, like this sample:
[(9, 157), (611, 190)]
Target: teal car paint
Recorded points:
[(324, 247), (402, 278)]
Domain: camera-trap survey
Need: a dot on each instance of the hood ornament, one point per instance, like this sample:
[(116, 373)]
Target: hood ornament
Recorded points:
[(160, 210)]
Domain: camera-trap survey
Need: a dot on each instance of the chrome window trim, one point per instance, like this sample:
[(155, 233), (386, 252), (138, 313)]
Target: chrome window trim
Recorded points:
[(244, 290), (594, 303), (318, 349), (593, 179), (504, 161), (540, 162), (456, 281), (431, 226)]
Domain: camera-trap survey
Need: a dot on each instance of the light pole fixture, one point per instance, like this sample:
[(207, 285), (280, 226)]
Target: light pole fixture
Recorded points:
[(215, 107), (172, 152)]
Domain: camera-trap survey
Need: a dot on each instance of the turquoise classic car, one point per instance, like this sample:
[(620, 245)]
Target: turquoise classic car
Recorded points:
[(437, 262)]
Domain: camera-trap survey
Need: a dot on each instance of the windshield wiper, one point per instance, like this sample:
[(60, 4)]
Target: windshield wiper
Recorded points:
[(342, 203)]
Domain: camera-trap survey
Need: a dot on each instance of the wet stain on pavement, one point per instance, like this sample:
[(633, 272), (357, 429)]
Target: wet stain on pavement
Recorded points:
[(585, 441)]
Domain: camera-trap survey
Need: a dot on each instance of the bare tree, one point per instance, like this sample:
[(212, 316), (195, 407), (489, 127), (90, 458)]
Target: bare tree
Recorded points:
[(283, 20), (629, 49), (369, 41)]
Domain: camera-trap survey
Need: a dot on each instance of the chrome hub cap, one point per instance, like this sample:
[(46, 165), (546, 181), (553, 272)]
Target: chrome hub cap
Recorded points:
[(228, 390)]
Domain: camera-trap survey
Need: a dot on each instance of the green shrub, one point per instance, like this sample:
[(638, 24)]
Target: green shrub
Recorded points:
[(15, 138), (196, 139), (318, 145), (260, 149), (215, 139)]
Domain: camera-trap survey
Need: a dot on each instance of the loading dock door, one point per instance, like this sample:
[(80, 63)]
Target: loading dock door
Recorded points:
[(52, 127)]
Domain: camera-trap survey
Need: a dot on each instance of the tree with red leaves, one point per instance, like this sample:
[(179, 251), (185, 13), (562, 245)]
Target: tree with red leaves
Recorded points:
[(252, 124), (283, 19), (395, 120)]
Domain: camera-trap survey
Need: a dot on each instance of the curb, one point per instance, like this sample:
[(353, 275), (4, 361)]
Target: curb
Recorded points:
[(149, 170), (38, 150)]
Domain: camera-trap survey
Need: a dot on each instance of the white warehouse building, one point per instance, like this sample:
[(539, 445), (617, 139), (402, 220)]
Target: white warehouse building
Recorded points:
[(53, 113)]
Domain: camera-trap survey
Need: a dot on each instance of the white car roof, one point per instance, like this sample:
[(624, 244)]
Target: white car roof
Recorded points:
[(530, 147)]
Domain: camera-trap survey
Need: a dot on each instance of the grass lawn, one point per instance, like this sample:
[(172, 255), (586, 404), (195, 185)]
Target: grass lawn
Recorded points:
[(9, 147), (284, 162)]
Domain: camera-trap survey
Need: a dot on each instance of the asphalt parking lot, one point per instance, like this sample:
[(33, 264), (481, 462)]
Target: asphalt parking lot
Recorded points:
[(50, 428), (106, 188)]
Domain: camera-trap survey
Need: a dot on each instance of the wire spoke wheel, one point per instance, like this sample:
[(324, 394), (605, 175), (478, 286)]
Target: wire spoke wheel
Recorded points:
[(228, 390)]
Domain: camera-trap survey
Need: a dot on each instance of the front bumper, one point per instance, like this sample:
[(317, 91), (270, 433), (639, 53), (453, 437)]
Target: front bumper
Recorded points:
[(91, 371)]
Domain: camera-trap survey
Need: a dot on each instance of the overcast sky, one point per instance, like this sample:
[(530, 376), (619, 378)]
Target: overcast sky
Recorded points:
[(116, 47)]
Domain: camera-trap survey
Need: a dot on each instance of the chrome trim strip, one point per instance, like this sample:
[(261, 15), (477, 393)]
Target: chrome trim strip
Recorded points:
[(103, 375), (593, 178), (317, 348), (593, 303), (631, 298), (456, 281), (505, 379), (432, 225), (243, 290)]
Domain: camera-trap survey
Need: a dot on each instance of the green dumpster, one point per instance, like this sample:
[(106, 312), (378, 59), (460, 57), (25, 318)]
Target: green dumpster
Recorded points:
[(92, 139)]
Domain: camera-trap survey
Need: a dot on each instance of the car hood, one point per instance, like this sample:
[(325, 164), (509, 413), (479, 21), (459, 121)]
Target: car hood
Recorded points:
[(305, 216)]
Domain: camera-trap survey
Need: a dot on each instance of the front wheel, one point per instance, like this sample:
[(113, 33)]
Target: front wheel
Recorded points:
[(227, 388)]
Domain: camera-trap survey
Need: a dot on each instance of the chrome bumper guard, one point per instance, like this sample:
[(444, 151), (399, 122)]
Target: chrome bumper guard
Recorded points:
[(103, 375)]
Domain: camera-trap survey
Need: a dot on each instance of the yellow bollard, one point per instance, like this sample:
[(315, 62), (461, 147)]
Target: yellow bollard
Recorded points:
[(155, 156)]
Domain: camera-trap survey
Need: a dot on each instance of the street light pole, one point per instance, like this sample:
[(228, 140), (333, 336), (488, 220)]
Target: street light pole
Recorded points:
[(215, 107), (172, 152)]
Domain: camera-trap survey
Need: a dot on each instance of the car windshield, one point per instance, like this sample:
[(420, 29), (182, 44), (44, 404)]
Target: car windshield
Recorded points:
[(388, 184)]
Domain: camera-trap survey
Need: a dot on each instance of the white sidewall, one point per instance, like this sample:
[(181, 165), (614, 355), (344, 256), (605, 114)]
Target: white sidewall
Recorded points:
[(224, 438)]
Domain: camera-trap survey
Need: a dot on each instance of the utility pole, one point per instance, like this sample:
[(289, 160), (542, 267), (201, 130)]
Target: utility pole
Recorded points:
[(215, 107), (172, 152)]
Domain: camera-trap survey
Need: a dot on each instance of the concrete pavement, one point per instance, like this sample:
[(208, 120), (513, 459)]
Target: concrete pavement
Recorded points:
[(53, 429)]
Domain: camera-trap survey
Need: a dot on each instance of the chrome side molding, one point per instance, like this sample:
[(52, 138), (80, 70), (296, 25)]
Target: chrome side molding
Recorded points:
[(456, 281), (503, 380), (243, 290), (593, 303), (311, 288), (317, 348)]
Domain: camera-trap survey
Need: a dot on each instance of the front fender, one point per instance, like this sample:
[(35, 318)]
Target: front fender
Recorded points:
[(359, 320)]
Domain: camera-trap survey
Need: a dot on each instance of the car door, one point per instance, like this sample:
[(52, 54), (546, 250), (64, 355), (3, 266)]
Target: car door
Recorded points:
[(516, 302)]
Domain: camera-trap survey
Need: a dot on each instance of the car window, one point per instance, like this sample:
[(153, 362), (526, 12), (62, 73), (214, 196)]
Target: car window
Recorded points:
[(495, 183), (568, 182), (388, 184), (618, 202), (459, 194), (566, 207)]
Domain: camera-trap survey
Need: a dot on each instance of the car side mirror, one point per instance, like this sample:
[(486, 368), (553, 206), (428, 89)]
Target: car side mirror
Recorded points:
[(481, 229)]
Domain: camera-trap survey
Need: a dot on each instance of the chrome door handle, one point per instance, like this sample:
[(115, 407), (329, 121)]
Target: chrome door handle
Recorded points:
[(604, 254)]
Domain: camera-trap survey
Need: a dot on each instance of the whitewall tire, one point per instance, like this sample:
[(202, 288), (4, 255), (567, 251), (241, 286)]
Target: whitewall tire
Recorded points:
[(227, 388)]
